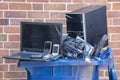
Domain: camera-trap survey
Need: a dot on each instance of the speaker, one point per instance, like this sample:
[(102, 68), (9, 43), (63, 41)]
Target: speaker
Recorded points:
[(90, 23)]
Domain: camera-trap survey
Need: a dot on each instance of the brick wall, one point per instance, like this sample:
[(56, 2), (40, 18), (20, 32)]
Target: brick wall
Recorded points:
[(14, 11)]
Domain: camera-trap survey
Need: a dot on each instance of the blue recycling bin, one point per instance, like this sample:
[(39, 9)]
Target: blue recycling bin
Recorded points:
[(67, 69)]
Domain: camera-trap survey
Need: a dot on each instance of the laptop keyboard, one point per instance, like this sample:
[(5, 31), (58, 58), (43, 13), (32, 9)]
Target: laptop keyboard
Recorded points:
[(31, 55), (25, 55), (26, 52)]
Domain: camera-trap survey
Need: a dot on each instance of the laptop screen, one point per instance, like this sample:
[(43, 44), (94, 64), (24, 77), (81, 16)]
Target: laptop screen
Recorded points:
[(34, 35)]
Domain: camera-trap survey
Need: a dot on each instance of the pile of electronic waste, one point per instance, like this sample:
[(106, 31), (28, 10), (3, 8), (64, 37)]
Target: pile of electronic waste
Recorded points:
[(73, 46), (85, 38)]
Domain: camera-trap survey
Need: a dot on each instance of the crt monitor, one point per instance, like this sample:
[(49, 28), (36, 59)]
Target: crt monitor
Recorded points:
[(90, 23)]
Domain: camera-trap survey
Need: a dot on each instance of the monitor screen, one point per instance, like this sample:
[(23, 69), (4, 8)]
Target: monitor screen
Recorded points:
[(34, 35)]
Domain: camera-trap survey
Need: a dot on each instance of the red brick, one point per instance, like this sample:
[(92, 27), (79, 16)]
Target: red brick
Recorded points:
[(16, 68), (15, 14), (115, 37), (38, 20), (4, 21), (110, 21), (57, 15), (75, 6), (116, 6), (114, 29), (95, 1), (116, 21), (12, 45), (12, 29), (15, 0), (1, 75), (15, 74), (54, 6), (103, 78), (37, 6), (109, 6), (38, 14), (11, 61), (1, 44), (64, 30), (20, 6), (60, 0), (4, 52), (113, 14), (14, 38), (38, 0), (116, 51), (77, 0), (1, 29), (3, 6), (114, 44), (113, 0), (17, 21), (3, 37), (56, 20), (106, 73), (1, 14), (1, 60), (101, 73), (117, 59), (3, 67), (117, 66)]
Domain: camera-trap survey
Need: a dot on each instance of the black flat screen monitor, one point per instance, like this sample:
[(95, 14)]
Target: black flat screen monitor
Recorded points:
[(34, 35)]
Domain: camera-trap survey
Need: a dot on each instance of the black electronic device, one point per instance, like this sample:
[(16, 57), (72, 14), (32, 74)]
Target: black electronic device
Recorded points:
[(100, 45), (55, 50), (47, 47), (37, 39), (34, 35), (90, 23), (54, 54)]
